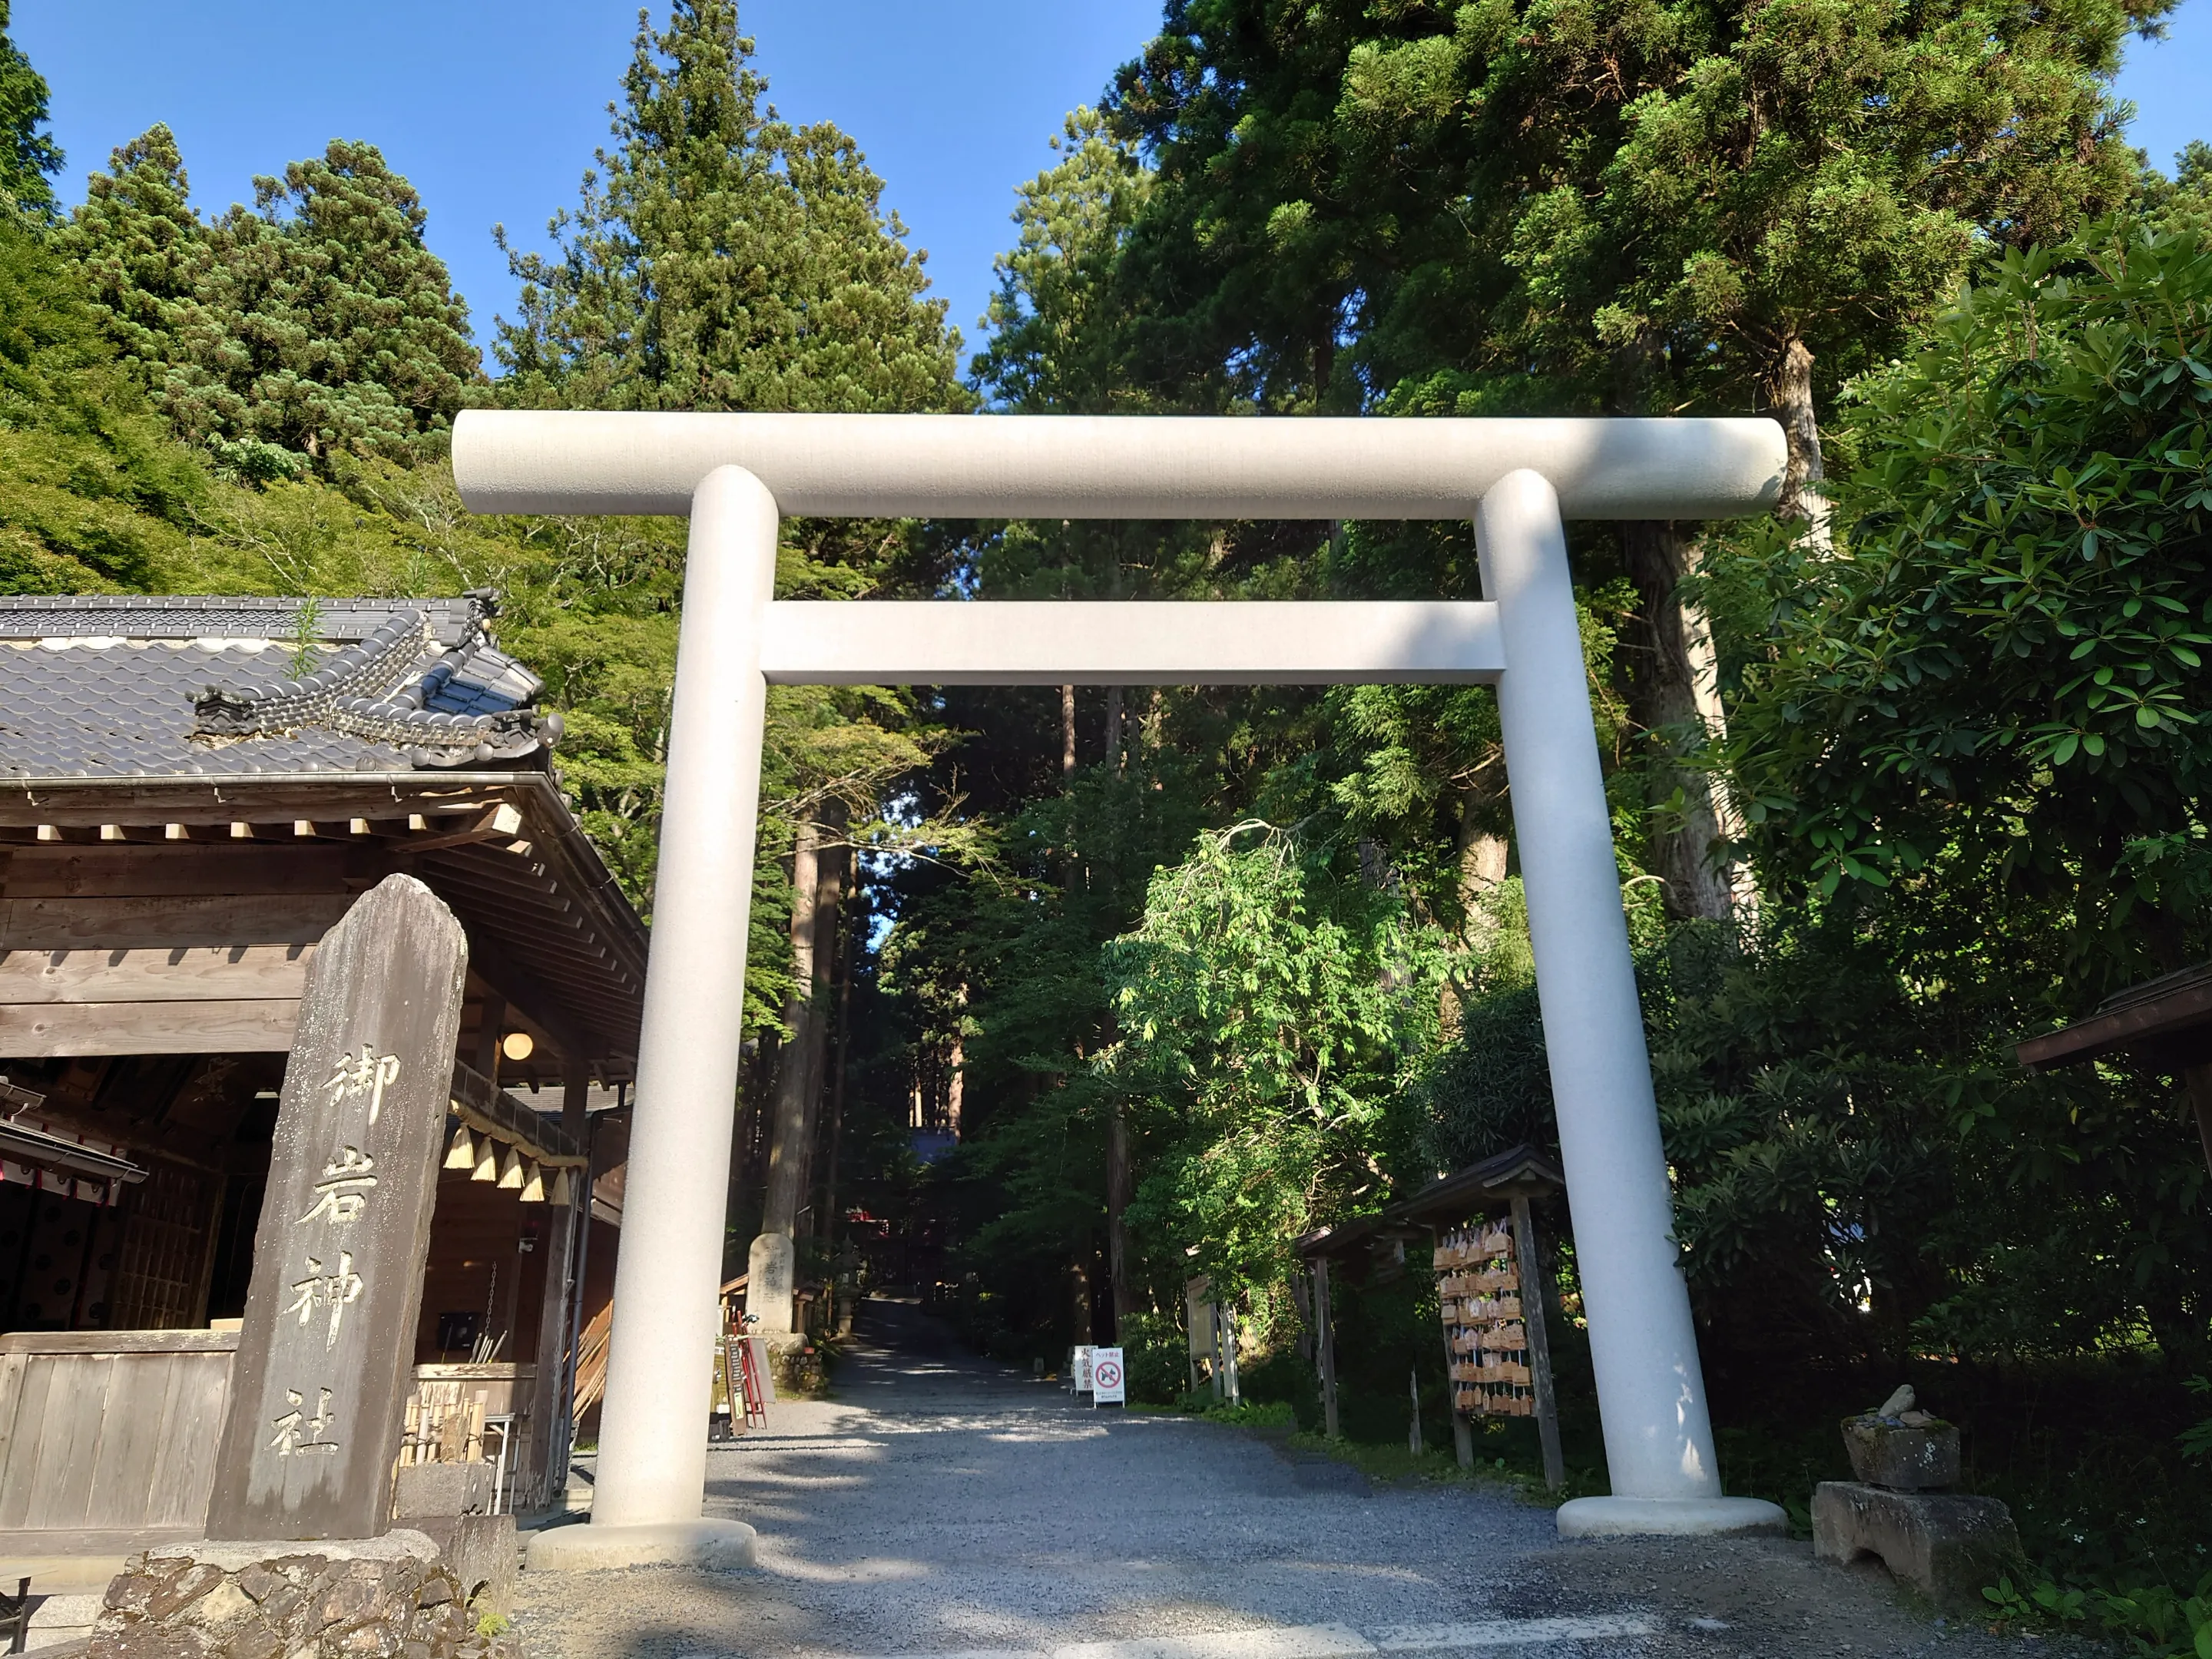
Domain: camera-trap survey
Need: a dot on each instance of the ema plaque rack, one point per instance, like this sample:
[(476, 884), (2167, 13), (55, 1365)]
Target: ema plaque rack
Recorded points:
[(1485, 1337)]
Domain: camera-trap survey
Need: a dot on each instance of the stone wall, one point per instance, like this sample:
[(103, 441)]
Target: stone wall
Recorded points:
[(391, 1598)]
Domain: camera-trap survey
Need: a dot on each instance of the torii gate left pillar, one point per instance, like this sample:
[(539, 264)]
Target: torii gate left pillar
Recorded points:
[(734, 640)]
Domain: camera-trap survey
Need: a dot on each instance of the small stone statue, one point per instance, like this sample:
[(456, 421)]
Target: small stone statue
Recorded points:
[(1898, 1412)]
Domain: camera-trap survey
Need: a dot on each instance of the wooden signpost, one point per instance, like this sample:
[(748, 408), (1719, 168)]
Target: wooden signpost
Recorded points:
[(313, 1428)]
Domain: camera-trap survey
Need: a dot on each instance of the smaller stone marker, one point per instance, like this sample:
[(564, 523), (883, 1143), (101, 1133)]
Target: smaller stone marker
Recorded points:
[(770, 1283), (1109, 1385), (328, 1343)]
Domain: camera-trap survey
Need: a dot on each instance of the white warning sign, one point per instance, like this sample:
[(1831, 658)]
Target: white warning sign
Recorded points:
[(1081, 1370), (1108, 1386)]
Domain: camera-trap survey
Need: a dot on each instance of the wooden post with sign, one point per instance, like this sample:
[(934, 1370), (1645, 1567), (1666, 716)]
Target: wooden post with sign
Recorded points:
[(312, 1433)]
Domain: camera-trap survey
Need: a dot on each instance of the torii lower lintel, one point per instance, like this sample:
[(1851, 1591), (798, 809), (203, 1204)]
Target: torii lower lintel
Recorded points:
[(736, 474)]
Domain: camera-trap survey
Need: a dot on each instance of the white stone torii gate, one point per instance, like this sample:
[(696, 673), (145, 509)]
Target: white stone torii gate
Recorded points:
[(735, 475)]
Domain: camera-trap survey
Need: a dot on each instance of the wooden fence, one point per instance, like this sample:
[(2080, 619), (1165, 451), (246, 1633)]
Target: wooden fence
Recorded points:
[(111, 1432)]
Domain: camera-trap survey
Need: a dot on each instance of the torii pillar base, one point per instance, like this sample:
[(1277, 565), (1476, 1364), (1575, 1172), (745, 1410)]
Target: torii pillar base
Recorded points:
[(1667, 1517), (707, 1545)]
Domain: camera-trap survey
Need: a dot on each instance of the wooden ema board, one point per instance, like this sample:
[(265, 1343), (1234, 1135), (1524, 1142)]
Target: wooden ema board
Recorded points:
[(1486, 1339)]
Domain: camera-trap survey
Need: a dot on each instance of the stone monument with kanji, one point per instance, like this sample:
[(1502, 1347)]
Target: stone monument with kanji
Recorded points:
[(325, 1354)]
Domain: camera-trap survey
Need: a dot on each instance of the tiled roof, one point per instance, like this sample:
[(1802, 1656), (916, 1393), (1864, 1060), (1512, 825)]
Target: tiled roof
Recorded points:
[(126, 686)]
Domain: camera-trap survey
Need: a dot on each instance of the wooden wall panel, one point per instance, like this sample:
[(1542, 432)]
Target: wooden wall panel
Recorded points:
[(114, 1433), (71, 923), (43, 1030), (231, 973), (183, 1472), (125, 871)]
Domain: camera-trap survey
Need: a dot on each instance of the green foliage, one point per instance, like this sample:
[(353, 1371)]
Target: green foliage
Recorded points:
[(2182, 206), (2156, 1621), (1644, 205), (1154, 1357), (2196, 1441), (1251, 1414), (721, 258), (1050, 321), (2005, 678), (29, 156), (1266, 1014), (317, 325)]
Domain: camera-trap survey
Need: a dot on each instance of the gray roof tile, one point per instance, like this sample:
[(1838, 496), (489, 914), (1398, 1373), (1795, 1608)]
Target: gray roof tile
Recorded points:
[(121, 686)]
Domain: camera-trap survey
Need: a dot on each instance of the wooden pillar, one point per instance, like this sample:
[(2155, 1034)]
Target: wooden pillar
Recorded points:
[(491, 1016), (1325, 1345), (555, 1361), (2199, 1079), (1540, 1347)]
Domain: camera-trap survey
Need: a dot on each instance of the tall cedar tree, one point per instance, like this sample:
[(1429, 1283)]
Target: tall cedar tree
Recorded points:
[(318, 321), (1506, 207), (721, 258), (28, 155)]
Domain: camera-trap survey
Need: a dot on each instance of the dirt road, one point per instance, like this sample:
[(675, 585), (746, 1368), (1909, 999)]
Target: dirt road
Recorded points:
[(941, 1506)]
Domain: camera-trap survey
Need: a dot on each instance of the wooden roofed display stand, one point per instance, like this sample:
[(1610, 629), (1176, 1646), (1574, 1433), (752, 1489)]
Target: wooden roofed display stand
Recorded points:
[(2165, 1023), (176, 838), (1480, 1229)]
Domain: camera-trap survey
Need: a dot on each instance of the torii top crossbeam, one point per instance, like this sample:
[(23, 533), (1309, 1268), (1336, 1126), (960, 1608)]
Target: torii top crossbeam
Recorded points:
[(738, 474), (1055, 466)]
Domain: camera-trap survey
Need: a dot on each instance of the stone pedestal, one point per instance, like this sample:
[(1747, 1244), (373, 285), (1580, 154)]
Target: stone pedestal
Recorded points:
[(259, 1600), (708, 1544), (1903, 1457), (427, 1490), (1945, 1544)]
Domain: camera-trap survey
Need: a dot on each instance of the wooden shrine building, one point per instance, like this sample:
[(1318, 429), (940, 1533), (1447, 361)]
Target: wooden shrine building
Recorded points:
[(191, 792)]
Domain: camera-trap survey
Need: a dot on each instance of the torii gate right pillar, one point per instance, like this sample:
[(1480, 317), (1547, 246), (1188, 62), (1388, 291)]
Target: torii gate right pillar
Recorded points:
[(1651, 1395)]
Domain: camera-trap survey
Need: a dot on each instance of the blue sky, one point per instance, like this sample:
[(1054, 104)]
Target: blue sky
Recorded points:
[(493, 107)]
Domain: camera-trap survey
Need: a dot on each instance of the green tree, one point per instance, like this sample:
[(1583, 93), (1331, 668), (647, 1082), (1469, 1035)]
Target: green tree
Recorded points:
[(1527, 207), (2184, 202), (2008, 677), (1053, 325), (1982, 733), (143, 254), (91, 497), (29, 156), (721, 258), (316, 324), (1268, 1010)]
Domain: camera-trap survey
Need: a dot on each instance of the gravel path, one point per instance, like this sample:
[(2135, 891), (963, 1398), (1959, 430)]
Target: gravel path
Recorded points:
[(940, 1505)]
